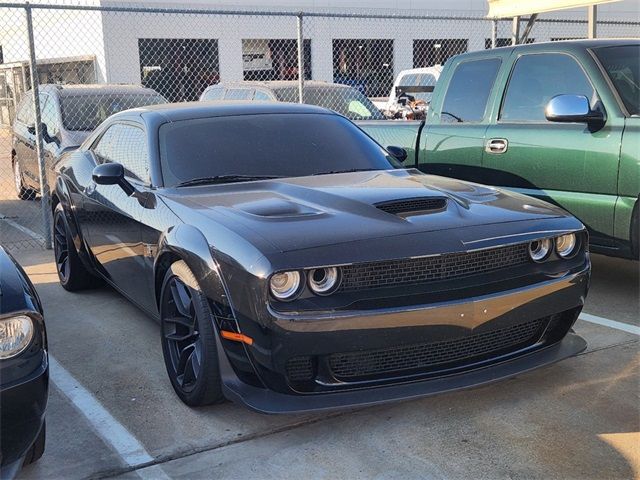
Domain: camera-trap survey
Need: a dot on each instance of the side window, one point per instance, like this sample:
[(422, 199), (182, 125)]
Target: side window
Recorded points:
[(537, 78), (49, 114), (25, 111), (216, 93), (263, 96), (125, 144), (468, 92), (239, 94)]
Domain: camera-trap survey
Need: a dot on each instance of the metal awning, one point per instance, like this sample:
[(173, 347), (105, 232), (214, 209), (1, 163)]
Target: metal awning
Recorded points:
[(517, 8)]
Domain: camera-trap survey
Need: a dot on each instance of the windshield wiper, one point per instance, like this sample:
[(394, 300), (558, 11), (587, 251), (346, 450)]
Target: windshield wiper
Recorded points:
[(346, 171), (225, 179)]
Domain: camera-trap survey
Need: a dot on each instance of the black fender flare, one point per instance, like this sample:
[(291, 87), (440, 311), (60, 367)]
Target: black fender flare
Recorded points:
[(185, 242)]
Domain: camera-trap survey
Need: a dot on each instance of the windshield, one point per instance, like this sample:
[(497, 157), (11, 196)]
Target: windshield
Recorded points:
[(622, 64), (266, 145), (346, 101), (83, 113), (419, 80)]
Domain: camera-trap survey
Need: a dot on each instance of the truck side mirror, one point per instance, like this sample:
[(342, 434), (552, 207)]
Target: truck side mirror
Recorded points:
[(572, 109)]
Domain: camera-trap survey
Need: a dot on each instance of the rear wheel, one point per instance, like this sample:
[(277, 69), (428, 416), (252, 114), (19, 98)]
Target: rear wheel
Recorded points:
[(72, 273), (188, 338), (23, 192)]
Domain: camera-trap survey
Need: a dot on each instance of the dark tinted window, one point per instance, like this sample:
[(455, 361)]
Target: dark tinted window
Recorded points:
[(346, 101), (125, 144), (86, 112), (622, 64), (469, 89), (287, 145), (538, 78)]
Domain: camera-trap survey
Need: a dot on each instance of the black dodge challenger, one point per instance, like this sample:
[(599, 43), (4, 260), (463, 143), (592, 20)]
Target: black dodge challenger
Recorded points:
[(24, 369), (294, 265)]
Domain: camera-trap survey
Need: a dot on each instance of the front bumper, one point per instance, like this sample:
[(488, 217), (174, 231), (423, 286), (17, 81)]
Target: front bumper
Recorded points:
[(22, 415), (557, 301)]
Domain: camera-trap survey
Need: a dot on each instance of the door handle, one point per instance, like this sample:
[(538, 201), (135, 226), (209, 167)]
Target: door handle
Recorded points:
[(496, 145)]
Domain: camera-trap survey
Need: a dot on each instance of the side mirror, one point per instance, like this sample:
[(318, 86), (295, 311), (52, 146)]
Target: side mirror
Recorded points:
[(571, 108), (47, 137), (112, 174), (398, 153)]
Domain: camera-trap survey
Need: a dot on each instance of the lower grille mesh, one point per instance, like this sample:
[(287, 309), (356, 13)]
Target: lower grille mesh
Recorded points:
[(428, 269), (426, 355)]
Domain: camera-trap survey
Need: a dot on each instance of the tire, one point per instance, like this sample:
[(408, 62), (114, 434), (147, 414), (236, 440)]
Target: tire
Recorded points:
[(23, 192), (188, 338), (72, 273), (37, 449)]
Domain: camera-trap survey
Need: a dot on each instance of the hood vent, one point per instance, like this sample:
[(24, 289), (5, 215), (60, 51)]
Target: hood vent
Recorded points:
[(413, 206)]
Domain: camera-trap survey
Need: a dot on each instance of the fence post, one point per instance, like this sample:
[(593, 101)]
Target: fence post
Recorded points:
[(45, 199), (592, 14), (300, 60), (494, 33)]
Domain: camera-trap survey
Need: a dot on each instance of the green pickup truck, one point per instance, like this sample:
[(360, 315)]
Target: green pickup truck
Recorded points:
[(559, 121)]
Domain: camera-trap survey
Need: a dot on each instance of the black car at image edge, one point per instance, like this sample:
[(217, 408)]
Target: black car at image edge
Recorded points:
[(294, 264), (24, 369)]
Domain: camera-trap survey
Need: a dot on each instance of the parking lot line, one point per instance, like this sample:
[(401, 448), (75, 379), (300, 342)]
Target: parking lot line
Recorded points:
[(107, 427), (26, 230), (605, 322)]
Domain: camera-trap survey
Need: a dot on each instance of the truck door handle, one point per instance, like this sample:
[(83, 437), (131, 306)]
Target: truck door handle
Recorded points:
[(496, 145)]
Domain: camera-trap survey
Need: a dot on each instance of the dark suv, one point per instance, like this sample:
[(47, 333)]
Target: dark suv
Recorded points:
[(69, 114)]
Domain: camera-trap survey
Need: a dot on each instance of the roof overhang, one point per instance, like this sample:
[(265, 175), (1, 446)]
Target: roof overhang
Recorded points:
[(517, 8)]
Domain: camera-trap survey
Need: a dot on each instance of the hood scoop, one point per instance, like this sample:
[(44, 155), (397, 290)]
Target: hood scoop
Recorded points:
[(413, 206)]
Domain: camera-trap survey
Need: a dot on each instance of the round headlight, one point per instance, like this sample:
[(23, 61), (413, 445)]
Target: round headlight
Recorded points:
[(285, 285), (539, 249), (566, 245), (15, 335), (324, 281)]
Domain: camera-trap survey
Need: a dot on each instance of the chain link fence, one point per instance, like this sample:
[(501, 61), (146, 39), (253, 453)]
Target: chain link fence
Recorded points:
[(64, 69)]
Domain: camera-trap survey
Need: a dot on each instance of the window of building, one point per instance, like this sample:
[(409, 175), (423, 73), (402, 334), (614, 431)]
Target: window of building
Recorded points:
[(469, 89), (429, 52), (127, 145), (364, 64), (178, 68), (274, 59), (536, 79)]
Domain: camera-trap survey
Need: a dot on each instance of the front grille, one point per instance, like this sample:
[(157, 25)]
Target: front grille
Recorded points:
[(412, 205), (436, 355), (299, 369), (430, 269)]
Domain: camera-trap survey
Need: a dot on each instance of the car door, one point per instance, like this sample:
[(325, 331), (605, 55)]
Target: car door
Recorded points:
[(24, 140), (112, 218), (570, 164), (455, 130)]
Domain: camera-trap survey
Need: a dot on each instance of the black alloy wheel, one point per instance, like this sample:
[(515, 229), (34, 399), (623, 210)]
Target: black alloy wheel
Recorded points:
[(188, 338)]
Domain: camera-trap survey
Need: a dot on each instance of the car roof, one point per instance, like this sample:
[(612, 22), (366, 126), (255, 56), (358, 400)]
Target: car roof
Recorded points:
[(95, 89), (170, 112), (279, 84)]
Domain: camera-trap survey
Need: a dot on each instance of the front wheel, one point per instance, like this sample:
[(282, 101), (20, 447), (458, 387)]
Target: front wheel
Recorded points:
[(188, 338)]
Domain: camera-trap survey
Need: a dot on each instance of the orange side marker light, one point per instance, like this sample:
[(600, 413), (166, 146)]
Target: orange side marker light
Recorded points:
[(236, 337)]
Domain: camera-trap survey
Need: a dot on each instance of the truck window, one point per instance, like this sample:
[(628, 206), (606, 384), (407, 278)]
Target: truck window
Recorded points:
[(622, 64), (536, 79), (468, 92)]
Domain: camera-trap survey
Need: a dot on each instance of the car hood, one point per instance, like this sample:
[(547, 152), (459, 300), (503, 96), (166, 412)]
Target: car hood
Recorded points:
[(307, 212)]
